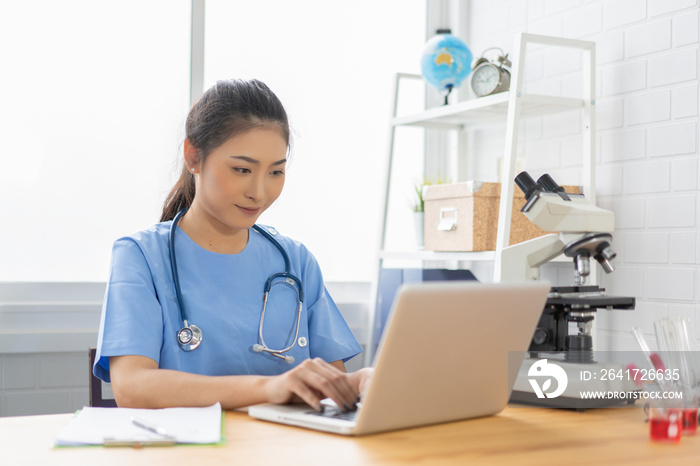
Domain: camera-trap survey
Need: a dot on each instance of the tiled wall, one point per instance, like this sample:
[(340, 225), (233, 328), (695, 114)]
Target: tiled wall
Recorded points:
[(45, 332), (647, 137), (43, 383)]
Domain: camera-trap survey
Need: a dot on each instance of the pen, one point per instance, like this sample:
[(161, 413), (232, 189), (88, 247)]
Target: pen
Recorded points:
[(144, 424)]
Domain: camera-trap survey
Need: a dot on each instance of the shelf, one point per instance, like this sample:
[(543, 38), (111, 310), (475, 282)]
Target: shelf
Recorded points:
[(506, 108), (487, 109), (438, 256), (475, 256)]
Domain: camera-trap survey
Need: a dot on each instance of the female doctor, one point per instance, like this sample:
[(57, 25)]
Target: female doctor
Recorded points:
[(184, 321)]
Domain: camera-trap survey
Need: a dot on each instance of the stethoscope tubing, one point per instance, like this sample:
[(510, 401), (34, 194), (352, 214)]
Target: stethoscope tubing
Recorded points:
[(262, 323), (289, 279), (173, 266)]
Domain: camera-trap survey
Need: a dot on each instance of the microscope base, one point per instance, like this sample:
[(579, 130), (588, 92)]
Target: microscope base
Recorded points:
[(565, 402), (572, 398)]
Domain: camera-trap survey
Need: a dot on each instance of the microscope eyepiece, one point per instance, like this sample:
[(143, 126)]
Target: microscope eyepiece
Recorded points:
[(527, 185), (547, 183)]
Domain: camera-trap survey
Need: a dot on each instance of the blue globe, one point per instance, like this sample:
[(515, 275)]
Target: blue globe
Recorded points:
[(446, 61)]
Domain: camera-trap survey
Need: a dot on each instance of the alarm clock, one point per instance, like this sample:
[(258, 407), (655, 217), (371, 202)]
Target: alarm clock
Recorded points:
[(490, 76)]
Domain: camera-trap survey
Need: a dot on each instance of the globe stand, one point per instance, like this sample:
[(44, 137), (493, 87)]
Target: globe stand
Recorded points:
[(449, 88)]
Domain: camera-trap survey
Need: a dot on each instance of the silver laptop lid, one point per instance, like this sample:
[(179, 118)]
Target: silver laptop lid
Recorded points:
[(444, 354)]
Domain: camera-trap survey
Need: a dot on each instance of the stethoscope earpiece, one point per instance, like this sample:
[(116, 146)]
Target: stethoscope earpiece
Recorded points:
[(258, 348)]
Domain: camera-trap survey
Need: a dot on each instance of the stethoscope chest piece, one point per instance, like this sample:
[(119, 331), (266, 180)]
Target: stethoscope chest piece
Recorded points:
[(189, 337)]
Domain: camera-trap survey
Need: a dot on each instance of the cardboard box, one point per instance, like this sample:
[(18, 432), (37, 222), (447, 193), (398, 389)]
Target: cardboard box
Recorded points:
[(464, 216)]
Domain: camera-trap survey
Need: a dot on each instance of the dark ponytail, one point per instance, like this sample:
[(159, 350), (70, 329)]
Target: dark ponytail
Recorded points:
[(229, 108)]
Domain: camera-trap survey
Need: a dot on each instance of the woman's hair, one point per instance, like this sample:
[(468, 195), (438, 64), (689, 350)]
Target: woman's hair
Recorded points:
[(228, 109)]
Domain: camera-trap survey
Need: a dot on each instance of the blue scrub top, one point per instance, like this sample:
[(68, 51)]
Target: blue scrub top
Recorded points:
[(222, 294)]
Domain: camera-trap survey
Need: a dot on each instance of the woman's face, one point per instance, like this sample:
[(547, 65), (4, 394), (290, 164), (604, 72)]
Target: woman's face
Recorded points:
[(241, 178)]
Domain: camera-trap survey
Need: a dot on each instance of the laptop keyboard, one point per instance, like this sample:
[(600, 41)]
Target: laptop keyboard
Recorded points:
[(336, 414)]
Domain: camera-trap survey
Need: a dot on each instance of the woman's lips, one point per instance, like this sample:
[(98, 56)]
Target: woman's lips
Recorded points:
[(249, 210)]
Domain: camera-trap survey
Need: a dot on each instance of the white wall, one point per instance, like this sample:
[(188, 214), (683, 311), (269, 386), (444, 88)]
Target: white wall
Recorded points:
[(647, 142)]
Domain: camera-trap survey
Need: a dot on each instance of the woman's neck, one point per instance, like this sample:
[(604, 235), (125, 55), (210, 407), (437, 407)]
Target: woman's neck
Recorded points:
[(209, 233)]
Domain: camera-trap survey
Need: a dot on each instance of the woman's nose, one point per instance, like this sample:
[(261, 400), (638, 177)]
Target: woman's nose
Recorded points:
[(256, 188)]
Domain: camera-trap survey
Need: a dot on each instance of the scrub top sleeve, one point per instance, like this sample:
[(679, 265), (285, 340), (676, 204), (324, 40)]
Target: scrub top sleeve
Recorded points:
[(330, 338), (132, 319)]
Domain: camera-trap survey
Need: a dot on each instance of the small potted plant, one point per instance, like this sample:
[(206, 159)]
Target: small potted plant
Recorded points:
[(419, 208)]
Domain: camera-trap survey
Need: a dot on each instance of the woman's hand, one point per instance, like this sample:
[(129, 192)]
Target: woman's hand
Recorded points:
[(311, 381), (361, 379)]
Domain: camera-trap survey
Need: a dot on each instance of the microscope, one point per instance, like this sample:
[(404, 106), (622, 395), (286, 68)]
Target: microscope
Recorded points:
[(563, 334)]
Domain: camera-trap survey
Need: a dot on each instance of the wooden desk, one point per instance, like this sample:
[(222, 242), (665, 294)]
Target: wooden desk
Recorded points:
[(517, 436)]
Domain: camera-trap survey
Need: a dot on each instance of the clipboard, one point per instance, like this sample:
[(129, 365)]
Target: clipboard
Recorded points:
[(126, 427)]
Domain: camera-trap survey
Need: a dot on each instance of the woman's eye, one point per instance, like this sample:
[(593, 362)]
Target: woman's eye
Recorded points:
[(278, 173), (241, 169)]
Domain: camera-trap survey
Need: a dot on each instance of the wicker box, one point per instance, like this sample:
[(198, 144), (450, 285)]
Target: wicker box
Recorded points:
[(464, 216)]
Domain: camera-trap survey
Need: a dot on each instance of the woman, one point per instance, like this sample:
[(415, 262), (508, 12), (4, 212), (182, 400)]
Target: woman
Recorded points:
[(235, 154)]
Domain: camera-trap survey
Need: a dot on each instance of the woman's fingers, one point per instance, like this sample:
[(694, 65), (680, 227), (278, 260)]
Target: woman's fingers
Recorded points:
[(315, 379), (361, 379), (338, 385), (299, 387)]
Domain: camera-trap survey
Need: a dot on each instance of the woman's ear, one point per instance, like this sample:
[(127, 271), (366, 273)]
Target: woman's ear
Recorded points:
[(191, 157)]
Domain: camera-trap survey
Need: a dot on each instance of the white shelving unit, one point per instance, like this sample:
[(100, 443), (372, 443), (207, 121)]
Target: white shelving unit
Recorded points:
[(509, 107)]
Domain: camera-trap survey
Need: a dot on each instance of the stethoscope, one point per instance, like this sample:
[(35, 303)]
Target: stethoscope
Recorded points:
[(189, 337)]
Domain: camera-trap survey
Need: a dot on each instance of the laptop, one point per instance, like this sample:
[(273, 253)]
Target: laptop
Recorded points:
[(446, 355)]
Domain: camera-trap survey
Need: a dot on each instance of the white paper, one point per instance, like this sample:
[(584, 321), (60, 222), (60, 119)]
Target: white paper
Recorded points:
[(187, 425)]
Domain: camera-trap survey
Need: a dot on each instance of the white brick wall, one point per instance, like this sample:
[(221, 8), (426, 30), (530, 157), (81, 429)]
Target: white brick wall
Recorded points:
[(610, 48), (609, 114), (685, 29), (647, 141), (648, 38), (685, 101), (647, 178), (684, 175), (671, 212), (622, 12), (673, 68), (648, 108), (683, 248), (676, 139), (608, 181), (645, 248), (660, 7), (623, 145), (670, 284), (627, 77), (584, 21)]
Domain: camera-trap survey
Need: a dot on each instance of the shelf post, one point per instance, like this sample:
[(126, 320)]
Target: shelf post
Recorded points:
[(511, 149), (589, 121), (369, 344)]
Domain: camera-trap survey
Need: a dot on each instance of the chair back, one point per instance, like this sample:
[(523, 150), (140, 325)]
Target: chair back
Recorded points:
[(96, 400)]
